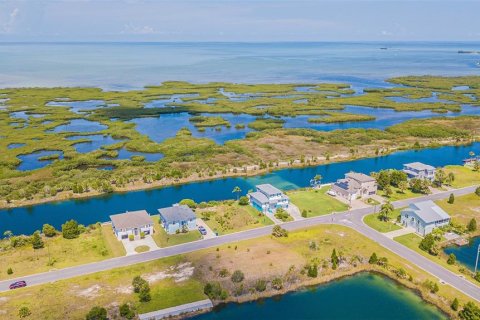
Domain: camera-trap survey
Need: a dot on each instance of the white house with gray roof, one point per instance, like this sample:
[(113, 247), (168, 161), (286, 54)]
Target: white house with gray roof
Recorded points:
[(355, 186), (268, 199), (418, 170), (177, 218), (424, 217), (131, 223)]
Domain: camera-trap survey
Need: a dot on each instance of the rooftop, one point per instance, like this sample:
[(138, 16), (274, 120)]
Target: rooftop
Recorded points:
[(268, 189), (260, 197), (359, 177), (351, 186), (419, 166), (428, 211), (177, 213), (133, 219)]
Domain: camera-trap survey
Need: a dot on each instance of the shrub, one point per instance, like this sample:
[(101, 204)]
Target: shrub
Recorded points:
[(24, 312), (144, 294), (261, 285), (477, 191), (214, 291), (451, 199), (188, 202), (279, 232), (223, 273), (131, 237), (37, 242), (277, 283), (237, 276), (126, 312), (373, 259), (304, 213), (312, 270), (452, 259), (9, 271), (142, 235), (70, 229), (334, 259), (243, 201), (428, 244), (137, 283), (454, 304), (472, 225), (97, 313), (282, 214), (49, 230), (470, 311)]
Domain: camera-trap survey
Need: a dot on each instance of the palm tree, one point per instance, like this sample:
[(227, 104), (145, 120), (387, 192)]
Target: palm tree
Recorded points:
[(8, 234), (316, 180), (237, 190), (385, 211), (472, 154)]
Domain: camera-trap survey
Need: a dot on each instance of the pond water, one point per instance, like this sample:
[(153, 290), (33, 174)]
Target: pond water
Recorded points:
[(25, 115), (363, 296), (467, 254), (79, 125), (95, 143), (79, 106), (433, 98), (124, 154), (15, 145), (28, 219), (32, 161), (167, 126), (175, 98)]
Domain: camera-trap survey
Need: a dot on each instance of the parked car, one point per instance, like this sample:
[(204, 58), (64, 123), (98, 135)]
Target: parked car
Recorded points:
[(202, 230), (332, 193), (18, 284)]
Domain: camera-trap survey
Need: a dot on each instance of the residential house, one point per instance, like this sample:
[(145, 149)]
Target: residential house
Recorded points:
[(418, 170), (424, 217), (268, 199), (131, 223), (355, 186), (177, 218)]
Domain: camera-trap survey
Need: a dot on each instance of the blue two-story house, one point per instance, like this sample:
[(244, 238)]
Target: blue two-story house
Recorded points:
[(424, 217), (177, 218), (418, 170), (268, 199)]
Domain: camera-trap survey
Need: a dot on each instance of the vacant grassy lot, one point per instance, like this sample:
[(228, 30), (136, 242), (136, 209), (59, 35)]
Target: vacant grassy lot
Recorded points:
[(316, 202), (464, 176), (229, 217), (397, 194), (463, 209), (162, 239), (180, 279), (94, 245), (374, 222)]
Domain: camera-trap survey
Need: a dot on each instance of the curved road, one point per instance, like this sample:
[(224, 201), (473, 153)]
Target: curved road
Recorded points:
[(352, 219)]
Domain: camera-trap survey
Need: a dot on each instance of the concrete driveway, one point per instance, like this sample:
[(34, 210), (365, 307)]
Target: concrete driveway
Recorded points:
[(210, 234), (131, 245), (294, 212)]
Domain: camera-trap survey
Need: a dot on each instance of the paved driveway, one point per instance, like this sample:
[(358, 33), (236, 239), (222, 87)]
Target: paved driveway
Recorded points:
[(399, 232), (131, 245), (210, 234), (294, 212)]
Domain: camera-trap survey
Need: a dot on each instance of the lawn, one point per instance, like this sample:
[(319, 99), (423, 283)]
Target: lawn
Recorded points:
[(374, 222), (94, 245), (463, 209), (229, 217), (316, 202), (464, 176), (399, 195), (162, 239), (411, 241)]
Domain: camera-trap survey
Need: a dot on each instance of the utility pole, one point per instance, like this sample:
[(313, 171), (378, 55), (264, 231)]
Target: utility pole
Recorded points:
[(476, 261)]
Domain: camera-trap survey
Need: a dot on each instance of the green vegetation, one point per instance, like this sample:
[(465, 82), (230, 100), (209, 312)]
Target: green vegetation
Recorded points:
[(163, 239), (463, 210), (383, 225), (187, 157), (316, 202), (229, 216), (141, 249), (333, 117)]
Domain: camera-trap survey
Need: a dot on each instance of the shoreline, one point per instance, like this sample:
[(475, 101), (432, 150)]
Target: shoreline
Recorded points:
[(255, 171), (321, 281)]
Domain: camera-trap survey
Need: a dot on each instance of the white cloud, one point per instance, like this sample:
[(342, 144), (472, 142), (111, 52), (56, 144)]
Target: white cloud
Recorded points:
[(8, 26), (135, 29)]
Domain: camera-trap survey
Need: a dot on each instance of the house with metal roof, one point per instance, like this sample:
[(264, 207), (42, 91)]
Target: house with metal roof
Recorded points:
[(131, 223), (355, 186), (424, 217), (177, 218), (418, 170), (268, 199)]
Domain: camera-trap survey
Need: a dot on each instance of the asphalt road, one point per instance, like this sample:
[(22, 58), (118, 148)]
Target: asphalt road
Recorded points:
[(352, 219)]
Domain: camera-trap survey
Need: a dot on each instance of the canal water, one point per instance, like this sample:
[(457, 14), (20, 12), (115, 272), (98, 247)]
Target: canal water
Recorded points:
[(467, 254), (364, 296), (86, 211)]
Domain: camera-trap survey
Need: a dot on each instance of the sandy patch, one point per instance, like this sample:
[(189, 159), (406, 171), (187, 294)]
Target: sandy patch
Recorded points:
[(3, 311), (179, 273), (91, 292), (3, 299)]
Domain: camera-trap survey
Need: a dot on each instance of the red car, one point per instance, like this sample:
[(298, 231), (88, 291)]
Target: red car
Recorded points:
[(18, 284)]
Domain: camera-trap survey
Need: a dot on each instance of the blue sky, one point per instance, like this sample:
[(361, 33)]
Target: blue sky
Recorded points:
[(241, 20)]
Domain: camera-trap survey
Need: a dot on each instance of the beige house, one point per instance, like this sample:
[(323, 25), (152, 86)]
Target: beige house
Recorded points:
[(131, 223), (355, 186)]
